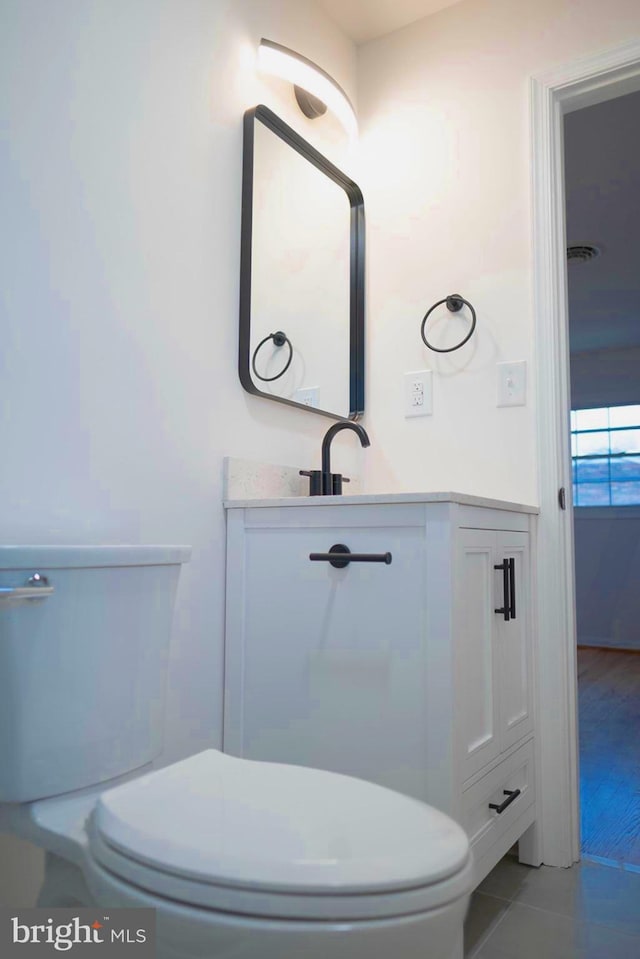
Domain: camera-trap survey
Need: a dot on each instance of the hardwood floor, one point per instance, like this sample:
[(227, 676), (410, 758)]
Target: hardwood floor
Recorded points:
[(609, 711)]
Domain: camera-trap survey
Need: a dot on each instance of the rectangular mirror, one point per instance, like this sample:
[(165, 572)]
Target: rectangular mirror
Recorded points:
[(302, 273)]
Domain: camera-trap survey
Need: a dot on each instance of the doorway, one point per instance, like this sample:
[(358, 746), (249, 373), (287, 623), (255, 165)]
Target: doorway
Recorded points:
[(587, 82), (602, 186)]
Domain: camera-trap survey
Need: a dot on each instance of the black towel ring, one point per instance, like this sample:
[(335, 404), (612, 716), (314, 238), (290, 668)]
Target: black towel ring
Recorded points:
[(454, 302), (279, 339)]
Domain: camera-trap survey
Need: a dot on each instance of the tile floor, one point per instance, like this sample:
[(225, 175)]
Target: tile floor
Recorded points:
[(591, 911), (609, 717)]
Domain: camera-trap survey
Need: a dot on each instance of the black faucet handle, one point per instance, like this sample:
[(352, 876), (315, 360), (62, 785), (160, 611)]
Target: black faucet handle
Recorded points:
[(337, 479), (315, 481)]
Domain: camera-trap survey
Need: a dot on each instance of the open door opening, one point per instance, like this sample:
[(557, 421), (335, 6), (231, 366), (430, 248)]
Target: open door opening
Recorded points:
[(602, 185)]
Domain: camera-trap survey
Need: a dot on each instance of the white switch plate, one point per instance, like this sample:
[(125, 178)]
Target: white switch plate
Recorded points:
[(308, 395), (418, 393), (512, 384)]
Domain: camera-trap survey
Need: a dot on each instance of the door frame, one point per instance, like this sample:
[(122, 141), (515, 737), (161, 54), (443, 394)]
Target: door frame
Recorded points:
[(603, 76)]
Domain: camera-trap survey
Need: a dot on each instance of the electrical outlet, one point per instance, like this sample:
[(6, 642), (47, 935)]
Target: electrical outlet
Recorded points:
[(418, 393), (308, 396)]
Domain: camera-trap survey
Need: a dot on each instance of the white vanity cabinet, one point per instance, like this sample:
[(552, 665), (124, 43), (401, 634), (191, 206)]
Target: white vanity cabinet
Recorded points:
[(400, 673)]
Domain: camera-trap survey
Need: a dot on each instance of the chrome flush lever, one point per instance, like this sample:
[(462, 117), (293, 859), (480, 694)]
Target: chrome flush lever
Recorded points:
[(37, 587)]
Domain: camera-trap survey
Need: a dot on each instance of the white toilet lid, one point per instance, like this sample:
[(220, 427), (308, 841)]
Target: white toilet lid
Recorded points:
[(263, 828)]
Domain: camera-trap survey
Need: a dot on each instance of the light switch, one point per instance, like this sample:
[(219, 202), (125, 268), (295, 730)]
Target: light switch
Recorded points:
[(512, 384)]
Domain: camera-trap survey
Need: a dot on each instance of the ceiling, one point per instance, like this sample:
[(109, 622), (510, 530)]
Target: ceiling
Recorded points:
[(602, 184), (367, 19)]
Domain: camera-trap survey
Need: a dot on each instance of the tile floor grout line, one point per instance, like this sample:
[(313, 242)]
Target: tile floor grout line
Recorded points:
[(580, 922), (490, 935), (610, 863), (483, 941), (492, 895)]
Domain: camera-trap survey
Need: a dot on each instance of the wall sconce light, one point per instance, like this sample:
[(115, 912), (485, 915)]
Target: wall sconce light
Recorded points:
[(315, 90)]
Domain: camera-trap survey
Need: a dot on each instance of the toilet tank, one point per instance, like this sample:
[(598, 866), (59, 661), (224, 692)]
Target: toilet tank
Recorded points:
[(83, 665)]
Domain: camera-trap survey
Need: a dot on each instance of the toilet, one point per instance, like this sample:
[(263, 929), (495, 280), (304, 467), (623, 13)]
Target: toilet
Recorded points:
[(240, 859)]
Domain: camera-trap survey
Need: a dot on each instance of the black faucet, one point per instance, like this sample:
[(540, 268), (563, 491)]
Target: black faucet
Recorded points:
[(324, 482)]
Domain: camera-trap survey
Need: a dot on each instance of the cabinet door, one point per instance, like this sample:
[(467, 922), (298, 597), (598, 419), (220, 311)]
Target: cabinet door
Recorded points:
[(326, 667), (478, 670), (493, 653), (514, 643)]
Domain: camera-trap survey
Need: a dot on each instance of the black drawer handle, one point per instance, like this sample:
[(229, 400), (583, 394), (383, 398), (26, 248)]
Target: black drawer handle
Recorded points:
[(511, 794), (340, 556)]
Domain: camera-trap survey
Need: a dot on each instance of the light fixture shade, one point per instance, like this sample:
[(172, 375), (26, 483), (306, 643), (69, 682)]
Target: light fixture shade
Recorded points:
[(282, 62)]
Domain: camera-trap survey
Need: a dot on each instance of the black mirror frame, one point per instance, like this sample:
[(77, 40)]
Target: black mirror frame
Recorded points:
[(356, 266)]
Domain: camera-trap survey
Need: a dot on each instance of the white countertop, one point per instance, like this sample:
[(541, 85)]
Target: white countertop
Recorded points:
[(382, 499)]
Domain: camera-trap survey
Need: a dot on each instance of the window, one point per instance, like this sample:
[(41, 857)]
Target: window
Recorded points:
[(605, 450)]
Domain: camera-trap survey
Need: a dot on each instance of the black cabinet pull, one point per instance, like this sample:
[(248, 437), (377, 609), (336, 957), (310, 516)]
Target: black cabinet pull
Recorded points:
[(512, 587), (511, 794), (340, 556), (505, 609), (508, 609)]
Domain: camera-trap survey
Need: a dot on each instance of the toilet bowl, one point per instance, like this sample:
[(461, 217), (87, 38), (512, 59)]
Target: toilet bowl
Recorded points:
[(240, 859)]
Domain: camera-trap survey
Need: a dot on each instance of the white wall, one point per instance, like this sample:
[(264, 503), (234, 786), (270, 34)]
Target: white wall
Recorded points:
[(605, 378), (120, 169), (607, 575), (444, 108)]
